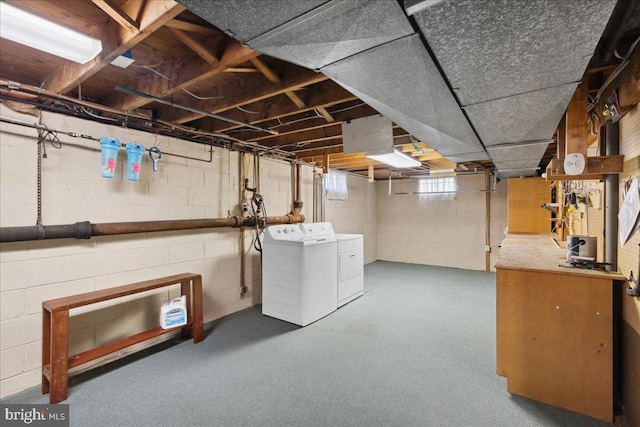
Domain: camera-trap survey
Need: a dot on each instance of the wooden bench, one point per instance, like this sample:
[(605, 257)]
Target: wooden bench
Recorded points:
[(56, 361)]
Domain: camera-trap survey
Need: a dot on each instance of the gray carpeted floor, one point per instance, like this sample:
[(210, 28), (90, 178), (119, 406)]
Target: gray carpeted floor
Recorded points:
[(418, 349)]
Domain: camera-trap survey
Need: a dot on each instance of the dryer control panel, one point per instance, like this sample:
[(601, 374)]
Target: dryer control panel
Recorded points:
[(317, 229)]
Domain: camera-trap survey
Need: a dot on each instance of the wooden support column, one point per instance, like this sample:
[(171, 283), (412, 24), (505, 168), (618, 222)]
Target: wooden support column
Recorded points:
[(487, 221), (325, 163), (371, 176), (577, 126)]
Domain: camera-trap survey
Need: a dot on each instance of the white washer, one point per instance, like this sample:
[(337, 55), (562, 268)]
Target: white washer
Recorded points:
[(299, 273), (350, 267)]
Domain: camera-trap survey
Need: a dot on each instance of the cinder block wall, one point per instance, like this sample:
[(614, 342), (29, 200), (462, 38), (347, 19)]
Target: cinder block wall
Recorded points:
[(448, 233), (73, 190), (357, 214)]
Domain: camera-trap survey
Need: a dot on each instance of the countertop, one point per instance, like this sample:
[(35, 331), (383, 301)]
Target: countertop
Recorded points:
[(539, 252)]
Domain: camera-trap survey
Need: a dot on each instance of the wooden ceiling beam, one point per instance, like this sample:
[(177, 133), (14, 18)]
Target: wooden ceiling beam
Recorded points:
[(252, 91), (191, 27), (324, 94), (196, 46), (182, 74), (274, 78), (327, 116), (117, 15), (309, 124), (116, 40)]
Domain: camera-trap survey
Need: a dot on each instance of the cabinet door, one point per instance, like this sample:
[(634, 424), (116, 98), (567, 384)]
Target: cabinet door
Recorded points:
[(524, 197)]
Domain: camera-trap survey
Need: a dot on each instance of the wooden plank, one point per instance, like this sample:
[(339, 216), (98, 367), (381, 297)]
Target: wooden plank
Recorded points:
[(66, 303), (241, 70), (46, 350), (112, 9), (251, 91), (595, 168), (182, 75), (115, 41), (323, 94), (524, 197), (295, 99), (327, 116), (577, 122), (555, 341), (195, 46), (95, 353), (58, 380), (265, 70), (191, 27), (561, 146)]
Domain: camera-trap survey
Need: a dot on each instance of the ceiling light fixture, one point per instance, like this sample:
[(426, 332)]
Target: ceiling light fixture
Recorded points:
[(39, 33), (393, 157)]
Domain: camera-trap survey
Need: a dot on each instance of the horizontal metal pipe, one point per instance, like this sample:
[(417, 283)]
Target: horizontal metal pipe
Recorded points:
[(86, 230)]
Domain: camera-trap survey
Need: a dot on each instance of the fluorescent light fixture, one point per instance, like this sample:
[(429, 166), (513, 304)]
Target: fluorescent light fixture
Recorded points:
[(414, 6), (442, 172), (31, 30), (393, 158)]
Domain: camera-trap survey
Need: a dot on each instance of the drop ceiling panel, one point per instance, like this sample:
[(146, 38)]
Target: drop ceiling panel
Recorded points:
[(400, 80), (526, 117), (247, 19), (335, 31), (491, 49)]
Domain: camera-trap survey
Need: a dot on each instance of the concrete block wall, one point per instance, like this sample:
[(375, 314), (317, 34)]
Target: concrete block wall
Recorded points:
[(73, 190), (357, 215), (448, 233)]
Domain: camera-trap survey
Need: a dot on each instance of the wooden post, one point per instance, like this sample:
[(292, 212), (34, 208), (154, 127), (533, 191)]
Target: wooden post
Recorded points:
[(325, 161), (371, 176), (577, 130)]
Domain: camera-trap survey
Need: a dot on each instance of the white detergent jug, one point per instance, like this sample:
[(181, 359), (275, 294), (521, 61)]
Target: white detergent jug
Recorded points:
[(174, 313)]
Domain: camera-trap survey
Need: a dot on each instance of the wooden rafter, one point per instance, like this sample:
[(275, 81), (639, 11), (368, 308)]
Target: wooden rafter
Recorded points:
[(249, 93), (117, 15), (116, 40), (323, 94), (190, 27), (327, 116), (181, 76), (274, 78), (195, 46)]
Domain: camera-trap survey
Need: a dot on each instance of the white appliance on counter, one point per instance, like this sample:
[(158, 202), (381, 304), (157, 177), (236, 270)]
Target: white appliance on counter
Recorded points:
[(299, 273), (350, 248)]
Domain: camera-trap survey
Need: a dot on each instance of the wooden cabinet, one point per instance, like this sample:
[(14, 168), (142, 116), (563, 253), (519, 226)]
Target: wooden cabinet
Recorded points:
[(555, 340)]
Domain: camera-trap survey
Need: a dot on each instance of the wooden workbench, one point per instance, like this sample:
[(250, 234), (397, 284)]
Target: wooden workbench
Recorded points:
[(555, 327)]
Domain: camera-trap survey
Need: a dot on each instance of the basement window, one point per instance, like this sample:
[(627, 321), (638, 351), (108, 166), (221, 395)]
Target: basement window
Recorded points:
[(336, 185), (443, 188)]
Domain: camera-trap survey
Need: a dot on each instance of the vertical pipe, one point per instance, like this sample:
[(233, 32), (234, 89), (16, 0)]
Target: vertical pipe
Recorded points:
[(315, 195), (322, 198), (487, 221), (241, 236), (611, 192)]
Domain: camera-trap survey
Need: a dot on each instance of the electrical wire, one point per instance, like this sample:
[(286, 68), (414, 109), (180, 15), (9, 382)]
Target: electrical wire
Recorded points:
[(247, 111)]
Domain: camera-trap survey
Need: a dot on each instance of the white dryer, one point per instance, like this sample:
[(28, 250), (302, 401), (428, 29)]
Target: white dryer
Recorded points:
[(350, 267), (350, 255), (299, 273)]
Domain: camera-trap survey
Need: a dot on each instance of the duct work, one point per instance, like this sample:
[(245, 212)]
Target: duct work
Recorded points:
[(446, 73)]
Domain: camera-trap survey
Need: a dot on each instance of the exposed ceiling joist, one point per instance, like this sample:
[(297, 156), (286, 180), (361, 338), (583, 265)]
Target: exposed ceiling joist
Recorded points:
[(116, 40), (118, 15), (196, 46)]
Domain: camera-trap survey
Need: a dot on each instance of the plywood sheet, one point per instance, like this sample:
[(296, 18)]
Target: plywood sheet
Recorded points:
[(524, 197)]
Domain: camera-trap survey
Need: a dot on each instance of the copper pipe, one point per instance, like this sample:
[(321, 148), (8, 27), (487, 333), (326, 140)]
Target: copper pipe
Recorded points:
[(86, 230)]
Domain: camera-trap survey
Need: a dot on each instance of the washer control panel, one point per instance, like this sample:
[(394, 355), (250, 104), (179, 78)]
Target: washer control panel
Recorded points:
[(284, 232)]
